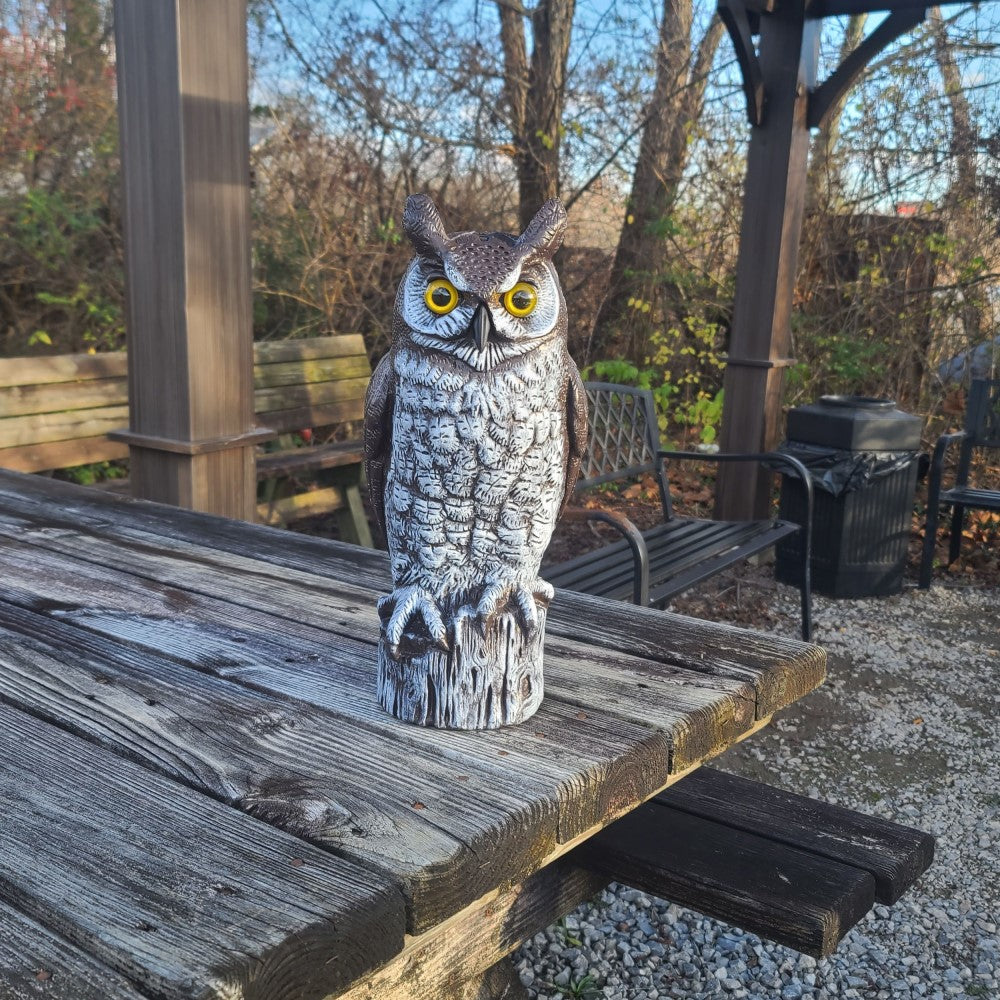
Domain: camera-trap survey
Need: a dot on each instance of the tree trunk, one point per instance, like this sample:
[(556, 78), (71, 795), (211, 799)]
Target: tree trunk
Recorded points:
[(534, 94), (962, 221), (638, 271), (823, 183)]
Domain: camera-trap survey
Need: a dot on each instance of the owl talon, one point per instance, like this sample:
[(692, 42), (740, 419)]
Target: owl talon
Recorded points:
[(401, 606), (517, 598)]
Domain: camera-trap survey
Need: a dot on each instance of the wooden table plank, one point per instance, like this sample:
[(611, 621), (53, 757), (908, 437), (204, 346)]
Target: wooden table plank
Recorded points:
[(449, 833), (781, 670), (701, 713), (595, 763), (36, 964), (187, 897)]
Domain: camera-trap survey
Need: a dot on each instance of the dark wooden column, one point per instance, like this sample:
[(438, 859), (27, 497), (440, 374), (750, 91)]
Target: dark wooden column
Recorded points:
[(773, 200), (182, 91)]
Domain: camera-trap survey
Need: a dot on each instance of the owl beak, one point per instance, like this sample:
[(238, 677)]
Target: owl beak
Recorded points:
[(481, 327)]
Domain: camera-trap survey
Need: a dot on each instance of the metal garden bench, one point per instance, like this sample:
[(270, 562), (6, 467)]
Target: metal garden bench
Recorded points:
[(651, 567), (982, 430)]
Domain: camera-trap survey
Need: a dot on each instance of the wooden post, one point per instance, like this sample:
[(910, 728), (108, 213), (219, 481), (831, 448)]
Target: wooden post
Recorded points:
[(774, 196), (182, 97)]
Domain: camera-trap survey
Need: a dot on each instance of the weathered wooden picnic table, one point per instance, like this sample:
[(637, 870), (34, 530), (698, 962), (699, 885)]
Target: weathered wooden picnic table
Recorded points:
[(201, 797)]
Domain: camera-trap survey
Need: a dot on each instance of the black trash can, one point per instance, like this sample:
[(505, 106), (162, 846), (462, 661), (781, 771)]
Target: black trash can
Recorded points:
[(861, 454)]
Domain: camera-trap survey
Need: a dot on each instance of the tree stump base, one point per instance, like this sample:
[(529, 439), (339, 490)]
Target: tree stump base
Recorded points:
[(482, 682)]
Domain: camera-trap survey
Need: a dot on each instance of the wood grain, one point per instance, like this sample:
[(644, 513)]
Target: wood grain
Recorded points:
[(773, 205), (791, 896), (41, 428), (447, 835), (61, 454), (52, 398), (779, 669), (895, 856), (592, 763), (36, 964), (268, 377), (186, 897), (182, 83), (276, 352), (662, 696), (436, 964), (62, 368), (299, 505)]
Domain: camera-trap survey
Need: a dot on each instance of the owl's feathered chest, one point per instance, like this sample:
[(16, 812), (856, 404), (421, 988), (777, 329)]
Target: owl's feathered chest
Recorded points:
[(478, 460), (456, 405)]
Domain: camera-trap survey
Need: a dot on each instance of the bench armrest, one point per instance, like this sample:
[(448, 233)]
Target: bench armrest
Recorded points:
[(797, 470), (937, 464), (778, 458), (632, 535)]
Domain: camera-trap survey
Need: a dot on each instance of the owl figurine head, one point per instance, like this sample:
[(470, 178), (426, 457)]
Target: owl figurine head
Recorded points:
[(481, 298)]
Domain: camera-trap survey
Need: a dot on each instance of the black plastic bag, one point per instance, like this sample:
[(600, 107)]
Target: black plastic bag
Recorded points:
[(839, 472)]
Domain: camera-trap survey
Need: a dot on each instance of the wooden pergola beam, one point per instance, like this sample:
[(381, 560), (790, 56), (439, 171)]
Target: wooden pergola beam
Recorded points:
[(773, 202), (184, 119), (784, 101)]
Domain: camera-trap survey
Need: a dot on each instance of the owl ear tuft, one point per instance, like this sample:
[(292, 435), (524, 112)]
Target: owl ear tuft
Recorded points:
[(545, 232), (422, 222)]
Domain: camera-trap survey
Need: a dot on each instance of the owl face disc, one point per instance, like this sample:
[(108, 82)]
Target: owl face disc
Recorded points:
[(452, 332)]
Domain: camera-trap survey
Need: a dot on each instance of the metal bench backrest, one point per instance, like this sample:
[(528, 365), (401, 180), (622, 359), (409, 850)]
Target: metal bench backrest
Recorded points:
[(624, 438), (982, 423)]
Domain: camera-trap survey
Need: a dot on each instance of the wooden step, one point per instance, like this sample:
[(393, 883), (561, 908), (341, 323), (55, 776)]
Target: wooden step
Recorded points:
[(793, 870)]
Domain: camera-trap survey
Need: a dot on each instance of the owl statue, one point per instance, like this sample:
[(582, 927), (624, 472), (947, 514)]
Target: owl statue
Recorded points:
[(475, 424)]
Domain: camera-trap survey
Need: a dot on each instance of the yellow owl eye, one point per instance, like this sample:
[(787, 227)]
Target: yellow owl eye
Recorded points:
[(521, 299), (441, 296)]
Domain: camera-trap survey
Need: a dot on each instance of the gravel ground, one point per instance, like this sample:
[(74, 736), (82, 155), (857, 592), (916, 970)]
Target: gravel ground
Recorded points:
[(905, 727)]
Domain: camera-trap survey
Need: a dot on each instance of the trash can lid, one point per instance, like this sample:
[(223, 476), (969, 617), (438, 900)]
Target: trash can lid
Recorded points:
[(854, 423)]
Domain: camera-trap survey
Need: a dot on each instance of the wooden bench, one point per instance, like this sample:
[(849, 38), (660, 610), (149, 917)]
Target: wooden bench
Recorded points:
[(56, 413), (783, 866), (981, 431), (652, 567)]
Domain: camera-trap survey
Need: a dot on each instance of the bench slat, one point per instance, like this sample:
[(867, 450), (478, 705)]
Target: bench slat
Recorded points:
[(894, 855), (313, 395), (970, 497), (268, 352), (41, 428), (681, 552), (61, 454), (267, 376), (318, 459), (320, 415), (698, 570), (62, 368), (786, 895), (310, 503), (55, 397)]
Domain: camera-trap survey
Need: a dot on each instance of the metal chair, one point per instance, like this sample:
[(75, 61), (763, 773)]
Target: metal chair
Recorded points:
[(982, 430)]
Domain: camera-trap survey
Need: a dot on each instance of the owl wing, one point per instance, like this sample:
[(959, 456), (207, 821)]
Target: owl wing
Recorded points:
[(379, 403), (576, 429)]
